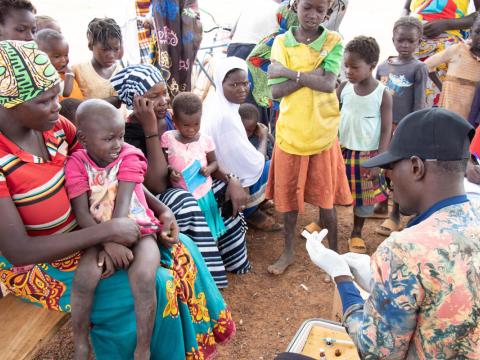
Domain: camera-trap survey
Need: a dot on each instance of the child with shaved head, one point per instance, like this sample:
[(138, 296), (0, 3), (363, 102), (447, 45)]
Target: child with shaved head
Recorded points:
[(104, 181)]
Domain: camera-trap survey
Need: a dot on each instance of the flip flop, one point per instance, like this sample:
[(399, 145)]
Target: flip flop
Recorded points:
[(357, 245), (312, 227), (387, 227)]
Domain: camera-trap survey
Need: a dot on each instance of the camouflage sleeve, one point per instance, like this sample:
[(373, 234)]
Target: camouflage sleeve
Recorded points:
[(383, 326)]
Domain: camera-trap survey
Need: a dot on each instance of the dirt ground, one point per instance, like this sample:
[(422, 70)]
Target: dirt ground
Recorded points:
[(268, 310)]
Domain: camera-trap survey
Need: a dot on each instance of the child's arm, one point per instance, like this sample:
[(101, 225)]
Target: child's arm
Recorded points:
[(169, 234), (68, 82), (386, 128), (340, 89), (82, 212), (212, 165), (419, 87), (174, 175), (262, 133), (317, 80), (85, 219), (121, 255), (443, 57)]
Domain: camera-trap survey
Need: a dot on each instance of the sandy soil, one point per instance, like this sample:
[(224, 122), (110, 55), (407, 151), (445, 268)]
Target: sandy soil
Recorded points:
[(268, 310)]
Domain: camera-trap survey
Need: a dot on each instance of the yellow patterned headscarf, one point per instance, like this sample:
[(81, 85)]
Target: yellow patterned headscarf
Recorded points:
[(25, 72)]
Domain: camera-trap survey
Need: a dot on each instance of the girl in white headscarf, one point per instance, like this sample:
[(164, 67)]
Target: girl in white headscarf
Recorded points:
[(235, 154)]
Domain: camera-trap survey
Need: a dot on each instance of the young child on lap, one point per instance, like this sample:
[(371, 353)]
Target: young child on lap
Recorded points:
[(103, 182), (55, 46), (365, 130), (186, 145), (307, 164)]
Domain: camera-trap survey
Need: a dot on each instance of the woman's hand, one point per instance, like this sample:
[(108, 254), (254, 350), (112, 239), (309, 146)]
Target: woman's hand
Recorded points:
[(123, 231), (143, 110), (237, 194), (120, 255), (169, 234), (106, 263), (275, 70), (434, 28)]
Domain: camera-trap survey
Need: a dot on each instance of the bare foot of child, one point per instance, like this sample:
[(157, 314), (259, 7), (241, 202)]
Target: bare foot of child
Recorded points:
[(281, 264)]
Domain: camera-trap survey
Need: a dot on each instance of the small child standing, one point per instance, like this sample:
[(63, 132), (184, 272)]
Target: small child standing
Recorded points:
[(307, 164), (186, 148), (365, 130), (104, 181), (463, 74), (257, 133), (406, 79), (105, 42), (55, 46)]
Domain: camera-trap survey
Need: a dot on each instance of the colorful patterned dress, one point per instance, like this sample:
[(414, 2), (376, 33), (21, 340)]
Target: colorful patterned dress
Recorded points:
[(178, 33), (432, 10), (191, 313)]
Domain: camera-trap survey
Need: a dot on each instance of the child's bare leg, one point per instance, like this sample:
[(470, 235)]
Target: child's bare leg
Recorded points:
[(142, 275), (288, 255), (357, 226), (84, 283), (328, 220)]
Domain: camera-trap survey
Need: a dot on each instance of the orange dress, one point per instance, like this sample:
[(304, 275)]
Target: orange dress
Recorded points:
[(76, 92), (461, 80)]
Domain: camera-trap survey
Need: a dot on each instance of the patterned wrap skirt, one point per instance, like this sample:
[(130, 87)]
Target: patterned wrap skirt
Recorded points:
[(191, 316), (364, 192)]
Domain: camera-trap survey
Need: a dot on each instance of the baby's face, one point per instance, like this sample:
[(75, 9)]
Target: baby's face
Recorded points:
[(58, 54), (103, 140)]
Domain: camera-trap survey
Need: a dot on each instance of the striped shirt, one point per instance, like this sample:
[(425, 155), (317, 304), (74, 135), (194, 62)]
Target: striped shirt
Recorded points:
[(35, 185)]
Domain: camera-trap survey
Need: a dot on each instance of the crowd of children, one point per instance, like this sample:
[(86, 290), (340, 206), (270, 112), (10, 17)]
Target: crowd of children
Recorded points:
[(325, 131)]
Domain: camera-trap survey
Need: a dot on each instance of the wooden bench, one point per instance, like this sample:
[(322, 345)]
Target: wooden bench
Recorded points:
[(25, 327)]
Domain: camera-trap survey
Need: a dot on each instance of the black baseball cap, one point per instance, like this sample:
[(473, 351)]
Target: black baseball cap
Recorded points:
[(433, 134)]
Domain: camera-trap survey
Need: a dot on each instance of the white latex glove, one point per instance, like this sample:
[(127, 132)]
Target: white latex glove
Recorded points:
[(328, 260), (360, 266)]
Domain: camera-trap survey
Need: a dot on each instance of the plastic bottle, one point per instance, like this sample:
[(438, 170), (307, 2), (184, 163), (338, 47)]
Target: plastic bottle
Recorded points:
[(322, 354)]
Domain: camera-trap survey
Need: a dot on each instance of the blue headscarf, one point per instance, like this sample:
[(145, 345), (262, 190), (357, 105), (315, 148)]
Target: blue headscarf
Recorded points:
[(135, 80)]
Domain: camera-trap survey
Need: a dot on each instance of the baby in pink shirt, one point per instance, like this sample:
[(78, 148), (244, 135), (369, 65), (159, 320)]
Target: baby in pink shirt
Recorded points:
[(104, 181)]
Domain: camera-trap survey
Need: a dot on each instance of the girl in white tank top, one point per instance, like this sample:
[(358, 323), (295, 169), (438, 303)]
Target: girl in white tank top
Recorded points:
[(365, 130)]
